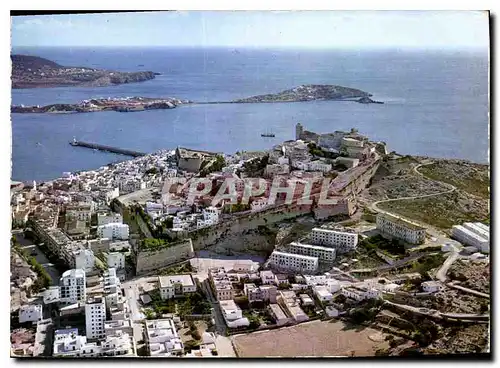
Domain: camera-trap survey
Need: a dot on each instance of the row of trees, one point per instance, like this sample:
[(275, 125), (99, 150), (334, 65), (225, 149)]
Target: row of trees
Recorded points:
[(43, 278)]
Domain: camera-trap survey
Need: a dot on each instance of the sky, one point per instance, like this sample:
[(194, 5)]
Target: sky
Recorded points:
[(313, 29)]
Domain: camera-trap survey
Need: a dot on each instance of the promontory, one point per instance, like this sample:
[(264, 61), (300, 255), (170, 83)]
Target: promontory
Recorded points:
[(36, 72)]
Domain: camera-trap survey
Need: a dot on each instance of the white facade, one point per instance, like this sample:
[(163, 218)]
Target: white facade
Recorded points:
[(293, 262), (400, 229), (109, 218), (120, 344), (162, 338), (82, 212), (319, 166), (260, 293), (176, 285), (360, 293), (210, 217), (84, 259), (288, 301), (30, 313), (478, 228), (323, 253), (431, 286), (72, 286), (95, 315), (67, 343), (267, 277), (129, 185), (259, 204), (116, 260), (233, 315), (113, 231), (468, 237), (278, 314), (322, 293), (342, 241)]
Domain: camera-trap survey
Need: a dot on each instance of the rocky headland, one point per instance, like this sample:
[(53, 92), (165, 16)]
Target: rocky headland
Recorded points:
[(37, 72), (128, 104)]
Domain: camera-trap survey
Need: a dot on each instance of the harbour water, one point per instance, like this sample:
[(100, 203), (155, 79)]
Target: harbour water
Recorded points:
[(436, 103)]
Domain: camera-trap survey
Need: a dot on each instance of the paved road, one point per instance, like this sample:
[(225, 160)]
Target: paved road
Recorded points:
[(430, 229), (131, 295), (443, 270)]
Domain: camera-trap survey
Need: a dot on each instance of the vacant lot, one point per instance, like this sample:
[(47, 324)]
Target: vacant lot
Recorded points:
[(467, 176), (317, 338), (442, 211)]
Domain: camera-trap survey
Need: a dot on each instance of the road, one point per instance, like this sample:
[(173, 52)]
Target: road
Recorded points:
[(467, 290), (430, 229), (35, 251), (220, 323), (443, 270), (132, 296)]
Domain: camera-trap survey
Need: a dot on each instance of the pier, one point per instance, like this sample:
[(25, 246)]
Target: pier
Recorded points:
[(102, 147)]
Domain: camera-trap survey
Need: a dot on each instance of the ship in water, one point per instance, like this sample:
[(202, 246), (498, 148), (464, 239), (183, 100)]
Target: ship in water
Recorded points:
[(268, 135)]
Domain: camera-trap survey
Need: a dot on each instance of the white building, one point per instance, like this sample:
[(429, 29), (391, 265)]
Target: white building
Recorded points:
[(306, 300), (30, 313), (95, 315), (210, 217), (222, 283), (116, 260), (266, 293), (84, 259), (129, 185), (267, 277), (113, 231), (288, 301), (342, 241), (72, 286), (80, 211), (324, 254), (232, 314), (322, 293), (360, 293), (67, 343), (278, 314), (431, 286), (258, 204), (293, 262), (118, 345), (401, 229), (162, 338), (176, 286), (319, 166), (109, 218), (471, 238)]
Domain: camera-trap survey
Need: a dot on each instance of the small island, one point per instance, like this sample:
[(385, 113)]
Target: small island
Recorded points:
[(310, 92), (126, 104), (37, 72)]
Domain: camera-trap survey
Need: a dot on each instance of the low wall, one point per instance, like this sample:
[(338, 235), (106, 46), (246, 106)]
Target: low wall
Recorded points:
[(147, 260)]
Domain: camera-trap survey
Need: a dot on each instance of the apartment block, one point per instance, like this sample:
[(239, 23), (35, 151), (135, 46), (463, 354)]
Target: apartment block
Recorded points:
[(399, 228), (95, 315), (72, 286), (324, 254), (293, 262), (342, 241)]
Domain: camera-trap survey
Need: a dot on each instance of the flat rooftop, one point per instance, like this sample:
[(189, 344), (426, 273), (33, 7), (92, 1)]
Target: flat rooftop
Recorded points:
[(400, 221), (168, 281)]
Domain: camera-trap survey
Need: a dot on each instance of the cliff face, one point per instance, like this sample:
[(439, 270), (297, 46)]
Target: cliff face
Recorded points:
[(36, 72), (309, 92)]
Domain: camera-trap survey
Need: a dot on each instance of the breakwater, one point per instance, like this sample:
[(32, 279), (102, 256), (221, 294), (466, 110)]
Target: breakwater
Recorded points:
[(105, 148)]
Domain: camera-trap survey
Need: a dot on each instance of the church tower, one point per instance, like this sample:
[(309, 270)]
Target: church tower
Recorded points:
[(299, 129)]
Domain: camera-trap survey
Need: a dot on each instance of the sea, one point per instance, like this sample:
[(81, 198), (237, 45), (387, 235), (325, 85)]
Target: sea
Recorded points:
[(435, 103)]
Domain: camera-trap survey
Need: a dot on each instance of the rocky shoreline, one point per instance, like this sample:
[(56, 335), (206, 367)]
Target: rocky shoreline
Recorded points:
[(128, 104), (36, 72)]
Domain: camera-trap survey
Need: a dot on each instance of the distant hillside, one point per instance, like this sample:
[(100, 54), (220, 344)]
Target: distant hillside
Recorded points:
[(37, 72), (25, 62)]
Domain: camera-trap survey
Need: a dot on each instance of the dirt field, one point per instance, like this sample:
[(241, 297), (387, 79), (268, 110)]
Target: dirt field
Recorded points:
[(317, 338)]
